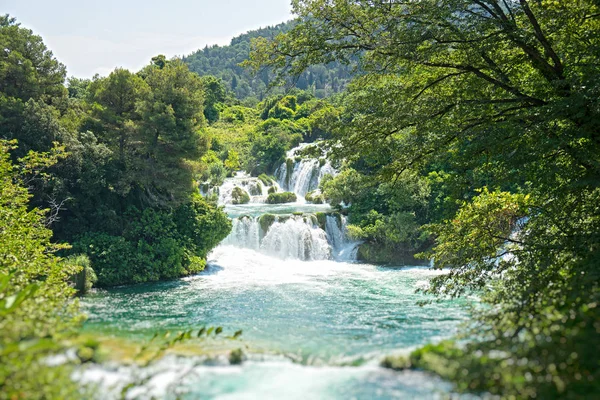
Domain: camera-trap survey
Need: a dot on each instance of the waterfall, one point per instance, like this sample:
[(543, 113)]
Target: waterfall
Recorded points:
[(293, 237), (286, 237), (302, 175), (297, 238), (343, 248), (270, 229), (245, 232), (256, 190)]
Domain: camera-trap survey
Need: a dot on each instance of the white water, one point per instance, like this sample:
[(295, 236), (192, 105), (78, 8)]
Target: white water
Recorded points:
[(257, 191), (294, 237), (306, 173)]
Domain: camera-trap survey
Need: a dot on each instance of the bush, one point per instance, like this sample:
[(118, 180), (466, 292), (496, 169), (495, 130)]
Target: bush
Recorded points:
[(83, 280), (36, 312), (156, 244), (284, 197), (315, 198), (239, 196)]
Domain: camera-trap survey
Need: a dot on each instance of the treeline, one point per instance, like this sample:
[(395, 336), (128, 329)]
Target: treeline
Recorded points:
[(123, 188), (99, 184), (480, 117), (224, 62)]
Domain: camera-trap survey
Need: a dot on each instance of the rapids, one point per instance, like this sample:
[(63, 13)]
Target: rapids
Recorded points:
[(315, 323)]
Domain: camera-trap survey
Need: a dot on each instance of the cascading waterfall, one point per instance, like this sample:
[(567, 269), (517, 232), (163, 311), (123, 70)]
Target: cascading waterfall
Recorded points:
[(303, 175), (291, 236), (256, 190), (301, 237), (296, 238), (245, 232), (344, 249)]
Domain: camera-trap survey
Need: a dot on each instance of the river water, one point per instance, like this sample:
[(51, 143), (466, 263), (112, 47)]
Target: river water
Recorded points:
[(315, 323)]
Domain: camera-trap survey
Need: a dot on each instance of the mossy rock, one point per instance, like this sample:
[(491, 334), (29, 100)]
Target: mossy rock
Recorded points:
[(266, 180), (298, 213), (289, 164), (397, 363), (265, 221), (315, 198), (280, 198), (321, 219), (272, 189), (239, 196), (283, 218), (256, 189), (338, 217), (236, 357)]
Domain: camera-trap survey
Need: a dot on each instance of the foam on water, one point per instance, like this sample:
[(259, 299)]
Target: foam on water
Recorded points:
[(269, 378)]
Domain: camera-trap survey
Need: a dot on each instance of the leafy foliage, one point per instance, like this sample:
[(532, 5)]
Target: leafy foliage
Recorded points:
[(35, 307), (125, 151), (496, 103), (283, 197), (387, 216)]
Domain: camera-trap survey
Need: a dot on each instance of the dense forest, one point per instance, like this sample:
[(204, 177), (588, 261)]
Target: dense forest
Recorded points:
[(223, 62), (471, 137), (98, 187)]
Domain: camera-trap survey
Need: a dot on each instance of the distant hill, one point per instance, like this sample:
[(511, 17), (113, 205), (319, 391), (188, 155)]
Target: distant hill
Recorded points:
[(223, 62)]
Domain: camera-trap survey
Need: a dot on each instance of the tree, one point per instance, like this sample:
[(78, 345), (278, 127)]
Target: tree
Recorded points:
[(172, 118), (27, 68), (30, 77), (214, 93), (35, 307), (116, 98), (498, 94)]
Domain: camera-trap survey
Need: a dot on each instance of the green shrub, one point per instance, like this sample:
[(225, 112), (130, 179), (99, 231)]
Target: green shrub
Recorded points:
[(266, 180), (315, 198), (156, 244), (36, 312), (284, 197), (83, 280), (239, 196), (265, 221)]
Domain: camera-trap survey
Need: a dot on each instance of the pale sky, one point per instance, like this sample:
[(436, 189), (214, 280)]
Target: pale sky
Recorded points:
[(92, 37)]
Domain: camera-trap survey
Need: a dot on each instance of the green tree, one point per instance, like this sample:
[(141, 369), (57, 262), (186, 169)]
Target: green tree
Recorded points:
[(36, 311), (214, 93), (172, 118), (490, 93), (27, 68)]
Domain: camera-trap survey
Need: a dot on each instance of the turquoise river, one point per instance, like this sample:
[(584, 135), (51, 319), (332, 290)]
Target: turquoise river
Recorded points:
[(315, 323)]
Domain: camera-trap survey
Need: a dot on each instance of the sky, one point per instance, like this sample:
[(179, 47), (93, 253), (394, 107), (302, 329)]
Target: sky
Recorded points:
[(95, 37)]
